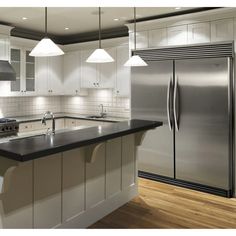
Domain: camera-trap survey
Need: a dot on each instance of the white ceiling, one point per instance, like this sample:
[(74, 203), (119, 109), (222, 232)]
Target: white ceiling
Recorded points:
[(77, 19)]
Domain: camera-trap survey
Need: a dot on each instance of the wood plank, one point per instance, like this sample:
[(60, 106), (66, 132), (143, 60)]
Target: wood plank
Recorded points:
[(161, 205)]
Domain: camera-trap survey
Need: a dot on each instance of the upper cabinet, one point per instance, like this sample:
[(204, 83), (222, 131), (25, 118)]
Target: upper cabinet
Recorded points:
[(49, 75), (72, 74), (4, 47), (199, 33), (122, 87), (24, 66), (157, 38), (89, 73), (177, 35), (98, 75), (141, 40), (222, 30), (107, 71)]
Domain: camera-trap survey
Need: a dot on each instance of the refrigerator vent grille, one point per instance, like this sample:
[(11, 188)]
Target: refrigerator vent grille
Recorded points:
[(187, 52)]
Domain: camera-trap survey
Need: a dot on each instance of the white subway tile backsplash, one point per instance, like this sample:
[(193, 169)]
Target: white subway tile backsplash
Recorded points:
[(21, 106)]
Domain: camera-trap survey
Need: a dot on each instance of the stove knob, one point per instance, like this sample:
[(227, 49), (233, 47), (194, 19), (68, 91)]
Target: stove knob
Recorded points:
[(2, 129)]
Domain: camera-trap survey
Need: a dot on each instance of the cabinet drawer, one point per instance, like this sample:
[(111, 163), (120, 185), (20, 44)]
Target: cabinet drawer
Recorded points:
[(70, 123)]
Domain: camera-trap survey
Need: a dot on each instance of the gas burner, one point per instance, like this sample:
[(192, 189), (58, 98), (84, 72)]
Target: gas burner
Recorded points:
[(8, 127)]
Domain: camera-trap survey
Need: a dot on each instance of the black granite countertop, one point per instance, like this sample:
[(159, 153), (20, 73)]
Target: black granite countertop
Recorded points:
[(39, 146)]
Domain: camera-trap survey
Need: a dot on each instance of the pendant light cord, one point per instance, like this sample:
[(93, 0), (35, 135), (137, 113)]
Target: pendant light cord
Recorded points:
[(99, 34), (134, 28), (46, 22)]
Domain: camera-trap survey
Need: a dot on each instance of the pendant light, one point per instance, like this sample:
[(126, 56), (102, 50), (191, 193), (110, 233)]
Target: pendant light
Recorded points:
[(135, 60), (46, 47), (99, 55)]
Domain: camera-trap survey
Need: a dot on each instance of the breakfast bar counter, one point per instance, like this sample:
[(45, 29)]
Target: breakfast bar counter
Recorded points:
[(70, 179)]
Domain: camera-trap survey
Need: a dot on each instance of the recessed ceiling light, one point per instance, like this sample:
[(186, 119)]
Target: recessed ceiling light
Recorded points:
[(116, 19), (24, 18), (177, 8), (66, 28)]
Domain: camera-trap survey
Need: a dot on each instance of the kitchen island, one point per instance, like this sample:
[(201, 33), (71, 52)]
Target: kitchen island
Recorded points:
[(70, 179)]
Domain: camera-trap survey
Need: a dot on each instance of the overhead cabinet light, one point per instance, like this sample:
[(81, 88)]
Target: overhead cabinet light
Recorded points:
[(135, 60), (46, 47), (100, 55)]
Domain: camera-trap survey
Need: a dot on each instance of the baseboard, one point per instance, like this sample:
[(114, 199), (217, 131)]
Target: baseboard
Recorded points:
[(182, 183)]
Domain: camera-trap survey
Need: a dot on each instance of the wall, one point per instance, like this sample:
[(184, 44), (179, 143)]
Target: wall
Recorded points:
[(21, 106), (119, 107)]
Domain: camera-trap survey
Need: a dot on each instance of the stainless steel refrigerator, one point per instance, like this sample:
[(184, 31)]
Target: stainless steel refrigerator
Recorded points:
[(189, 89)]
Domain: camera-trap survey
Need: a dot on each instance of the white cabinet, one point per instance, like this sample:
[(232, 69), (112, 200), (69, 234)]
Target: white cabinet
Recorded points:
[(42, 75), (122, 87), (157, 38), (222, 30), (141, 40), (24, 66), (89, 74), (4, 47), (177, 35), (95, 75), (107, 71), (49, 75), (72, 74), (199, 33)]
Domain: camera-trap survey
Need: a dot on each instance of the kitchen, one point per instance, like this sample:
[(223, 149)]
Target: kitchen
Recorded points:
[(96, 122)]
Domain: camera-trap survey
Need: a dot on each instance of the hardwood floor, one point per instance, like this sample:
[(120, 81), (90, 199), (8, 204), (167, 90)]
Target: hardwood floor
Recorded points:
[(161, 205)]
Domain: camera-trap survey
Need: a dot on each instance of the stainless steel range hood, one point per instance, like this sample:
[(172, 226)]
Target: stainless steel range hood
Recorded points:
[(7, 73)]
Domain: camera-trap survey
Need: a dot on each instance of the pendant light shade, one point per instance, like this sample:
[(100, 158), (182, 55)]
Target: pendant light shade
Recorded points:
[(135, 60), (46, 47), (99, 55)]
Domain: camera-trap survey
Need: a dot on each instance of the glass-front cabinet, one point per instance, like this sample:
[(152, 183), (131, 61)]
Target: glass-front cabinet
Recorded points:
[(24, 66)]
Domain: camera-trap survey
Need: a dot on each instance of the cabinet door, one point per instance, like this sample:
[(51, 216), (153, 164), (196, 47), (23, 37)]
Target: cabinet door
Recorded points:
[(4, 47), (222, 30), (71, 73), (16, 61), (107, 71), (199, 33), (157, 37), (70, 123), (123, 73), (55, 75), (41, 75), (177, 35), (29, 73), (141, 40), (88, 71)]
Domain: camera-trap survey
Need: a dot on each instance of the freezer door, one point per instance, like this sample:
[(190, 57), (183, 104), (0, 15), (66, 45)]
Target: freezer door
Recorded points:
[(151, 88), (202, 129)]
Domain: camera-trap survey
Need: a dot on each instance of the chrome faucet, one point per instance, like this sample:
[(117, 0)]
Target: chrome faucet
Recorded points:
[(46, 114), (102, 113)]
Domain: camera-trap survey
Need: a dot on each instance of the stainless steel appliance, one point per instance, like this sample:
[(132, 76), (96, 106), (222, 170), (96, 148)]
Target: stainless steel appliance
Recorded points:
[(190, 89), (8, 128)]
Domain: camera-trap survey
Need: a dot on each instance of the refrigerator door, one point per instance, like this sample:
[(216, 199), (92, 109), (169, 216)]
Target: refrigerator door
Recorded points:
[(151, 90), (202, 145)]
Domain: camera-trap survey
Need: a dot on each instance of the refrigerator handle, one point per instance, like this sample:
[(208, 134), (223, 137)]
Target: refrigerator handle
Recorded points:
[(175, 104), (168, 104)]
